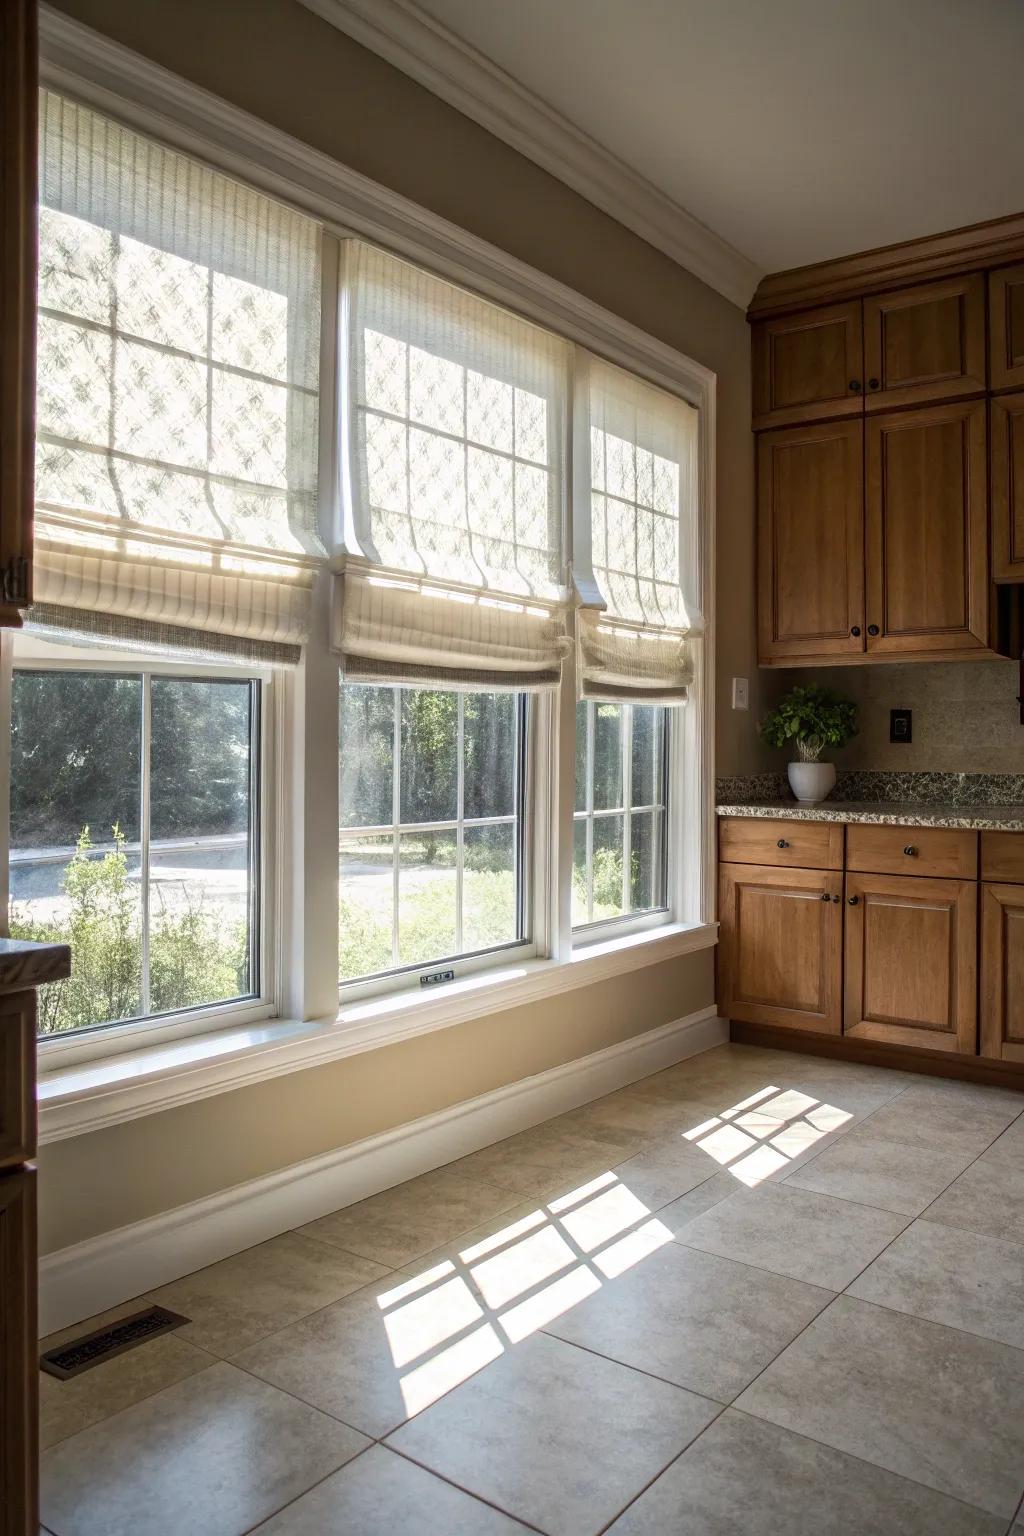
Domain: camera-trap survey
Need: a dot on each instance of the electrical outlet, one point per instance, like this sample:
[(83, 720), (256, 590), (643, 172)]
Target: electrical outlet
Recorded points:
[(901, 726), (740, 693)]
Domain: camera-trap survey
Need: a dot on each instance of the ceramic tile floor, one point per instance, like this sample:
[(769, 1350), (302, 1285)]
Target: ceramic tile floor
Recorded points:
[(756, 1292)]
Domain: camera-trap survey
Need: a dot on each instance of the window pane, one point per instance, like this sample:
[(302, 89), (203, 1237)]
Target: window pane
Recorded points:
[(366, 902), (607, 756), (427, 881), (490, 750), (75, 786), (607, 867), (430, 743), (645, 861), (199, 881), (366, 738), (489, 904), (648, 737), (580, 912), (582, 711)]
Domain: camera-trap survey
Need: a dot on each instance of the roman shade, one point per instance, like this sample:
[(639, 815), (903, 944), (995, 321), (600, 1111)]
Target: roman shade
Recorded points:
[(456, 422), (643, 542), (177, 398)]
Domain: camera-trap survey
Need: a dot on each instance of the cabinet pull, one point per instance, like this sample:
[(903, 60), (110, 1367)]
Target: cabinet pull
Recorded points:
[(872, 629), (835, 898), (855, 386), (853, 900), (910, 850), (854, 629), (782, 843), (825, 896), (872, 383)]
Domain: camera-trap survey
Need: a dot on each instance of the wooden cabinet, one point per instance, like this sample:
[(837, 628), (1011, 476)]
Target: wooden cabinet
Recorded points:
[(789, 844), (1002, 971), (937, 851), (1006, 448), (1006, 327), (910, 954), (17, 1078), (925, 343), (811, 542), (780, 955), (808, 366), (19, 1406), (926, 531)]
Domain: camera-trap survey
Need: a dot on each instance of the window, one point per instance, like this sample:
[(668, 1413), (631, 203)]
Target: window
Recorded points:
[(619, 824), (134, 838), (431, 856)]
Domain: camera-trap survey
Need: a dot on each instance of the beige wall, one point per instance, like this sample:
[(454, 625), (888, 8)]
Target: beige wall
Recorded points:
[(275, 59)]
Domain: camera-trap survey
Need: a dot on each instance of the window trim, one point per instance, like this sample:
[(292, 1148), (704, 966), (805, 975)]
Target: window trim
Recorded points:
[(109, 77)]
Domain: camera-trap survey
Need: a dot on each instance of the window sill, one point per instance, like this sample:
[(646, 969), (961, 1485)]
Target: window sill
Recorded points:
[(77, 1100)]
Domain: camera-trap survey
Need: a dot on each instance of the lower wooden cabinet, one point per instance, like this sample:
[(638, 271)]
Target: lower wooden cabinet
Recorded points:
[(19, 1403), (910, 949), (1002, 972), (780, 951)]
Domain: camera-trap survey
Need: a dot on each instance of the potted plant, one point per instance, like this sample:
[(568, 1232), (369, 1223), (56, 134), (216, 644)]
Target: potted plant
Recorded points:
[(812, 719)]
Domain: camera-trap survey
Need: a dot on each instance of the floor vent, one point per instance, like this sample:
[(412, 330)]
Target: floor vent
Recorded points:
[(94, 1348)]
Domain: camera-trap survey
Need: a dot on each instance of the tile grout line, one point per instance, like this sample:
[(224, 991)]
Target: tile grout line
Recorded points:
[(424, 1467)]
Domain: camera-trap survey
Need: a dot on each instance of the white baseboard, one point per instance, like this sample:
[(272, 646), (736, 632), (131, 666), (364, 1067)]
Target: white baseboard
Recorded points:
[(88, 1277)]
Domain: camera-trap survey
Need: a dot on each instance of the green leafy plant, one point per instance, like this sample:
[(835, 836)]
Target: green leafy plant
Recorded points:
[(812, 719)]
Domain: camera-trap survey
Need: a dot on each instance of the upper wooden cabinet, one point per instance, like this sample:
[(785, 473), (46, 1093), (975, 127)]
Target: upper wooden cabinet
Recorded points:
[(1006, 327), (926, 531), (925, 343), (1006, 448), (808, 366), (811, 542)]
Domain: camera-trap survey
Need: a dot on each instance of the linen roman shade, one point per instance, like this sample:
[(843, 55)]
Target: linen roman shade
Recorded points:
[(456, 429), (643, 538), (177, 398)]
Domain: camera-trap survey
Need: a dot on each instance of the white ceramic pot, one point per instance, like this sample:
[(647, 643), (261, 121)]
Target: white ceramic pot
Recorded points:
[(811, 782)]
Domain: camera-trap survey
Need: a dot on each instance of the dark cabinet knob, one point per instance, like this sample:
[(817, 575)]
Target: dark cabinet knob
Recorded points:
[(782, 843), (825, 896), (835, 899), (910, 850), (855, 386), (872, 383), (872, 629), (854, 629), (853, 900)]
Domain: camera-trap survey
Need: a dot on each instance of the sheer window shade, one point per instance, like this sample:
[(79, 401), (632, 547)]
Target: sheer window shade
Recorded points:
[(643, 506), (178, 355), (457, 430)]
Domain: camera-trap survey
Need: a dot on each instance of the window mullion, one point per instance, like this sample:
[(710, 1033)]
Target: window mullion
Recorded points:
[(396, 815), (460, 811), (591, 712), (144, 815), (626, 737)]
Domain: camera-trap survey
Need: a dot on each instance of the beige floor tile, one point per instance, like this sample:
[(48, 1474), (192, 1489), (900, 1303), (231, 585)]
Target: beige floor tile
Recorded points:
[(665, 1170), (383, 1494), (398, 1225), (65, 1407), (556, 1436), (951, 1276), (541, 1159), (924, 1401), (382, 1354), (949, 1122), (988, 1197), (210, 1456), (703, 1322), (251, 1294), (679, 1213), (634, 1117), (795, 1232), (887, 1174), (746, 1476)]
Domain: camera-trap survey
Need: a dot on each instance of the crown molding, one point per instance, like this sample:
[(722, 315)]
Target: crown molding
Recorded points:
[(406, 36)]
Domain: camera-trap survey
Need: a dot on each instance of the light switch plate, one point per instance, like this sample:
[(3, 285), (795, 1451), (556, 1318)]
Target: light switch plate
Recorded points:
[(740, 693)]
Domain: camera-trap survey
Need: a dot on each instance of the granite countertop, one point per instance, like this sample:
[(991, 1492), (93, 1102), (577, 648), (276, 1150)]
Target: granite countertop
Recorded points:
[(25, 964), (888, 813)]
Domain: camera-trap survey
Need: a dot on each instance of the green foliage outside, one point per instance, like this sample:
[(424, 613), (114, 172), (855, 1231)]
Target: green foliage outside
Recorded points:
[(194, 957), (811, 718)]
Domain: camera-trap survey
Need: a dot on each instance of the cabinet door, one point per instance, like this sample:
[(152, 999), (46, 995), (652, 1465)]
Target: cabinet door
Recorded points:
[(911, 962), (1006, 327), (811, 541), (17, 1078), (1007, 460), (927, 534), (808, 366), (925, 343), (780, 946), (19, 1400), (1002, 972)]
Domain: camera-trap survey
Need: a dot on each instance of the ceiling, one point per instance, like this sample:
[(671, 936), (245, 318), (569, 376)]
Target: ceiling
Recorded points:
[(795, 130)]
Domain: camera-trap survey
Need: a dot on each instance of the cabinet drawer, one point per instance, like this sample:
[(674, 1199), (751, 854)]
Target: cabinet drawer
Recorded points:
[(17, 1078), (1002, 857), (938, 851), (791, 844)]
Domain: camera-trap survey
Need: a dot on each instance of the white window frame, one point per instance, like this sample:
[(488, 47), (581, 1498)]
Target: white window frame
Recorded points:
[(301, 783)]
